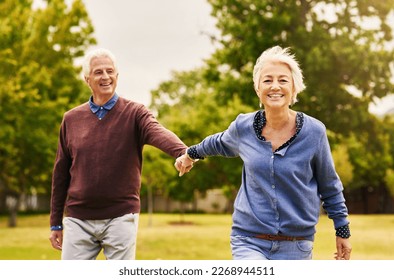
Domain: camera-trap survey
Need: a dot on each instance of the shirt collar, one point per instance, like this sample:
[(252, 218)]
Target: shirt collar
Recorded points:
[(107, 106), (260, 121)]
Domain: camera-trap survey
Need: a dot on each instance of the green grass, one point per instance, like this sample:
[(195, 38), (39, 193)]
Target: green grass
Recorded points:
[(199, 237), (372, 237)]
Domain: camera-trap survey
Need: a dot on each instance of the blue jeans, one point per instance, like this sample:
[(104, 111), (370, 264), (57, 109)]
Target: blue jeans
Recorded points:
[(251, 248)]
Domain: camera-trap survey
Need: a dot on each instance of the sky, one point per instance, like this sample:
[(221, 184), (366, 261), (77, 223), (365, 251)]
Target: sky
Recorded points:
[(152, 38)]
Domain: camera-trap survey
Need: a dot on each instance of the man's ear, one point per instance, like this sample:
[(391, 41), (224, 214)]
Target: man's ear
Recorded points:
[(86, 79)]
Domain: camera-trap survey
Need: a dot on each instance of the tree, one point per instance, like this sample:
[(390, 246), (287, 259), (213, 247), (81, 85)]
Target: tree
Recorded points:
[(339, 53), (388, 123), (343, 165), (39, 82), (188, 106)]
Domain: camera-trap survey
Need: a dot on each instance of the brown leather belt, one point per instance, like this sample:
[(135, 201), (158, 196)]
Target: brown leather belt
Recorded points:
[(272, 237)]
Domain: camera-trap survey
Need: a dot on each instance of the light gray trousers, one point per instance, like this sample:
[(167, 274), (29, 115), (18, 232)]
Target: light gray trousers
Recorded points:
[(84, 239)]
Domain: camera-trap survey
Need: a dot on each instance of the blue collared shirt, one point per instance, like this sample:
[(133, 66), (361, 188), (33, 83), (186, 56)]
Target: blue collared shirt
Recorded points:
[(101, 111)]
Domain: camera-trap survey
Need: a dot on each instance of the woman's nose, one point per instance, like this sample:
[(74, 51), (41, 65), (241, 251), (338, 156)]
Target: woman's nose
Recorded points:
[(275, 86)]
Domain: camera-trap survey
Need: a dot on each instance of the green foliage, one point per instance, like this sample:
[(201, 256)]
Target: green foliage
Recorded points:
[(158, 171), (369, 159), (39, 83), (195, 115), (388, 128), (389, 178), (338, 51), (343, 165)]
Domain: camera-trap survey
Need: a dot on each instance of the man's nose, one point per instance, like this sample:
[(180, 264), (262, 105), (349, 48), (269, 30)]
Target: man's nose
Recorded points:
[(105, 75)]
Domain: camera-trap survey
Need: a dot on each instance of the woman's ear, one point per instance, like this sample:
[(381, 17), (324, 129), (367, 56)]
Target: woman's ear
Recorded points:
[(257, 91)]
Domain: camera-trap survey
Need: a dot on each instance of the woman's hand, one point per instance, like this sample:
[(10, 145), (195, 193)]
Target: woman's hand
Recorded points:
[(344, 248)]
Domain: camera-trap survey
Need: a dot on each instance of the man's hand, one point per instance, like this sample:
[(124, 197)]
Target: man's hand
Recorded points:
[(56, 239), (183, 164)]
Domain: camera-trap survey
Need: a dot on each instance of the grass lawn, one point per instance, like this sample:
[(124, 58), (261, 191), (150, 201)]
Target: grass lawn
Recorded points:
[(199, 237)]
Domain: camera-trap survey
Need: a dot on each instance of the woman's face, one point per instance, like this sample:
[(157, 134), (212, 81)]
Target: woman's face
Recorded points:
[(276, 87)]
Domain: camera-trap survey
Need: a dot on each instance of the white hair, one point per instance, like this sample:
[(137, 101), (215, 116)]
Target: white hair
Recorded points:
[(278, 54), (94, 54)]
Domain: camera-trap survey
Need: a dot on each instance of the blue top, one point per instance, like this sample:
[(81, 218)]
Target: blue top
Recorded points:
[(281, 192), (101, 111)]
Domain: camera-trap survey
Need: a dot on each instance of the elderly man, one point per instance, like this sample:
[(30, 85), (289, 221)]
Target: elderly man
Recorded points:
[(97, 172)]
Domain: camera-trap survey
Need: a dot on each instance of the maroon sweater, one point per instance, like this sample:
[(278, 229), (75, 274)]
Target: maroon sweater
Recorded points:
[(97, 171)]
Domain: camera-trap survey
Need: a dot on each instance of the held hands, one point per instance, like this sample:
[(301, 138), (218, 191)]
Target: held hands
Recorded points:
[(184, 164)]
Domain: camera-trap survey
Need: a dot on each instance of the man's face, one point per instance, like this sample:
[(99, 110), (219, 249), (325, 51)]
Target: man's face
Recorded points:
[(103, 77)]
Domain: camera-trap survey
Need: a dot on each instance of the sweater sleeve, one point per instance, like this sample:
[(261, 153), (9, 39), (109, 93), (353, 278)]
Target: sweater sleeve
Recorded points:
[(224, 143), (330, 185), (60, 178), (155, 134)]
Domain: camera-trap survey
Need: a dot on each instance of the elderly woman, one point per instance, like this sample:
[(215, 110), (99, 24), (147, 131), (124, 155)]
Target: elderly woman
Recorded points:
[(288, 169)]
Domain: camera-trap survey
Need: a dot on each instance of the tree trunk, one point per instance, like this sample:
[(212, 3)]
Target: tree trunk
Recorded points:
[(12, 218), (150, 206), (365, 195), (12, 205)]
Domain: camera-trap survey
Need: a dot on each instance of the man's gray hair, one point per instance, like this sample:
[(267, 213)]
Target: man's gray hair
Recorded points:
[(94, 54), (278, 54)]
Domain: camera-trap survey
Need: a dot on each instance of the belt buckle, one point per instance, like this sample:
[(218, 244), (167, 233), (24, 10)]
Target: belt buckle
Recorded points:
[(271, 237)]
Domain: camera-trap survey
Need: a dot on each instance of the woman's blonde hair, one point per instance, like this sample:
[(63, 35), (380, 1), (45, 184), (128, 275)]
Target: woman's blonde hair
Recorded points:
[(281, 55)]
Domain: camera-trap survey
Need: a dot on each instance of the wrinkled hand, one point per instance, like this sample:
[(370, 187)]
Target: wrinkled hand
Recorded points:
[(56, 239), (183, 164), (344, 248)]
